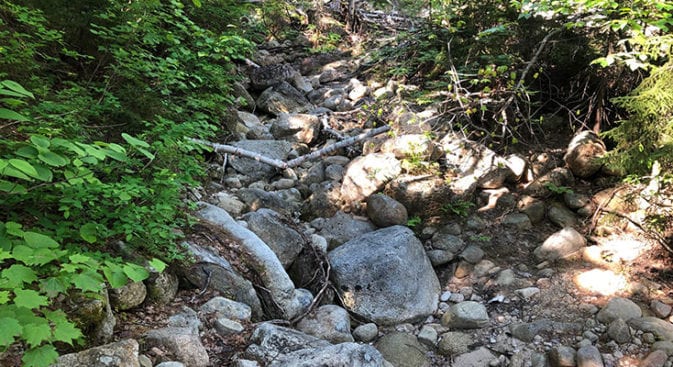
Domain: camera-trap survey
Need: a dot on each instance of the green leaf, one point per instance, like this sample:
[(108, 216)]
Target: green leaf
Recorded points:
[(14, 229), (134, 141), (42, 356), (29, 298), (157, 265), (115, 276), (24, 167), (12, 187), (16, 87), (44, 173), (64, 330), (88, 232), (27, 152), (13, 172), (118, 156), (18, 274), (53, 159), (136, 272), (145, 152), (10, 328), (37, 240), (11, 115), (4, 297), (40, 141), (35, 334), (52, 286), (88, 281)]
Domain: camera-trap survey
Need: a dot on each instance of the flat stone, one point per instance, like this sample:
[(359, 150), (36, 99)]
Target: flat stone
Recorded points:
[(662, 329), (402, 350), (224, 307), (619, 331), (466, 315), (561, 216), (329, 322), (518, 221), (478, 358), (123, 353), (427, 336), (561, 244), (226, 327), (472, 254), (453, 343), (619, 308), (589, 356)]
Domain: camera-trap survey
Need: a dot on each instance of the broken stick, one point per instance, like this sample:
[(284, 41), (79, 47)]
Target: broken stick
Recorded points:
[(297, 161)]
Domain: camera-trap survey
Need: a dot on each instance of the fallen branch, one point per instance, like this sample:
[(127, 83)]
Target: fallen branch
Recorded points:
[(297, 161)]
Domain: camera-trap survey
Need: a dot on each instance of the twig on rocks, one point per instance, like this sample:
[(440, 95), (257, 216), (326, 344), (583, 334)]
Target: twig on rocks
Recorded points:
[(297, 161)]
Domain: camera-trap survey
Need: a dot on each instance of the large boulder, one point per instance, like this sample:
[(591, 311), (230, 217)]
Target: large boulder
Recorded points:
[(283, 97), (342, 227), (123, 353), (329, 322), (270, 75), (584, 153), (344, 354), (385, 276), (182, 343), (425, 194), (256, 170), (268, 341), (295, 127), (272, 228), (368, 174), (474, 163), (217, 273)]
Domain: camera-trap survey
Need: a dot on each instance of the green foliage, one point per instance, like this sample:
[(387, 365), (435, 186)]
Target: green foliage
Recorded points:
[(557, 190), (460, 208), (93, 150), (414, 221), (647, 135)]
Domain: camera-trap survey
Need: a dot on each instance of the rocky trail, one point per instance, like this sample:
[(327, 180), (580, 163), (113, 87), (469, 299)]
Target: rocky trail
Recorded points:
[(411, 247)]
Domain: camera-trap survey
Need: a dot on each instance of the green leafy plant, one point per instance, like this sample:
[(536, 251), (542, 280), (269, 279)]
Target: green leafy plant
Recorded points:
[(414, 221), (460, 208), (557, 190)]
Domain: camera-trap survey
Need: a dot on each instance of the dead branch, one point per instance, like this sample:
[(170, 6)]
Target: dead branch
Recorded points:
[(297, 161)]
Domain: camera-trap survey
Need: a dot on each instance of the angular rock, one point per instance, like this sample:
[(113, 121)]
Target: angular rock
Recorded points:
[(123, 353), (583, 154), (344, 354), (187, 319), (385, 211), (288, 301), (466, 315), (422, 194), (427, 336), (219, 274), (95, 316), (440, 257), (528, 331), (453, 343), (368, 174), (402, 350), (226, 327), (243, 98), (472, 254), (479, 358), (162, 287), (329, 322), (386, 277), (256, 129), (619, 331), (540, 186), (533, 208), (229, 202), (417, 147), (254, 169), (128, 296), (445, 240), (286, 202), (655, 359), (662, 330), (342, 228), (224, 307), (561, 216), (561, 244), (366, 332), (273, 229), (562, 356), (269, 75), (619, 308), (589, 356), (323, 201), (268, 341), (295, 127), (281, 98), (184, 345), (518, 221), (474, 163)]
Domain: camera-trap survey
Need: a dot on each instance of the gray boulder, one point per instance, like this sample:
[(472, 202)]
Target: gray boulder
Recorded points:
[(281, 98), (662, 329), (212, 268), (341, 228), (560, 215), (269, 341), (583, 154), (403, 350), (368, 174), (295, 127), (224, 307), (123, 353), (619, 308), (286, 202), (256, 170), (423, 194), (269, 75), (130, 295), (386, 277), (94, 315), (474, 163), (162, 287), (182, 343), (385, 211), (329, 322), (561, 244), (466, 315), (340, 355), (274, 230)]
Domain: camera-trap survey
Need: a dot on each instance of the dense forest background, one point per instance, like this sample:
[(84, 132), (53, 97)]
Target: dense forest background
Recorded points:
[(98, 99)]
